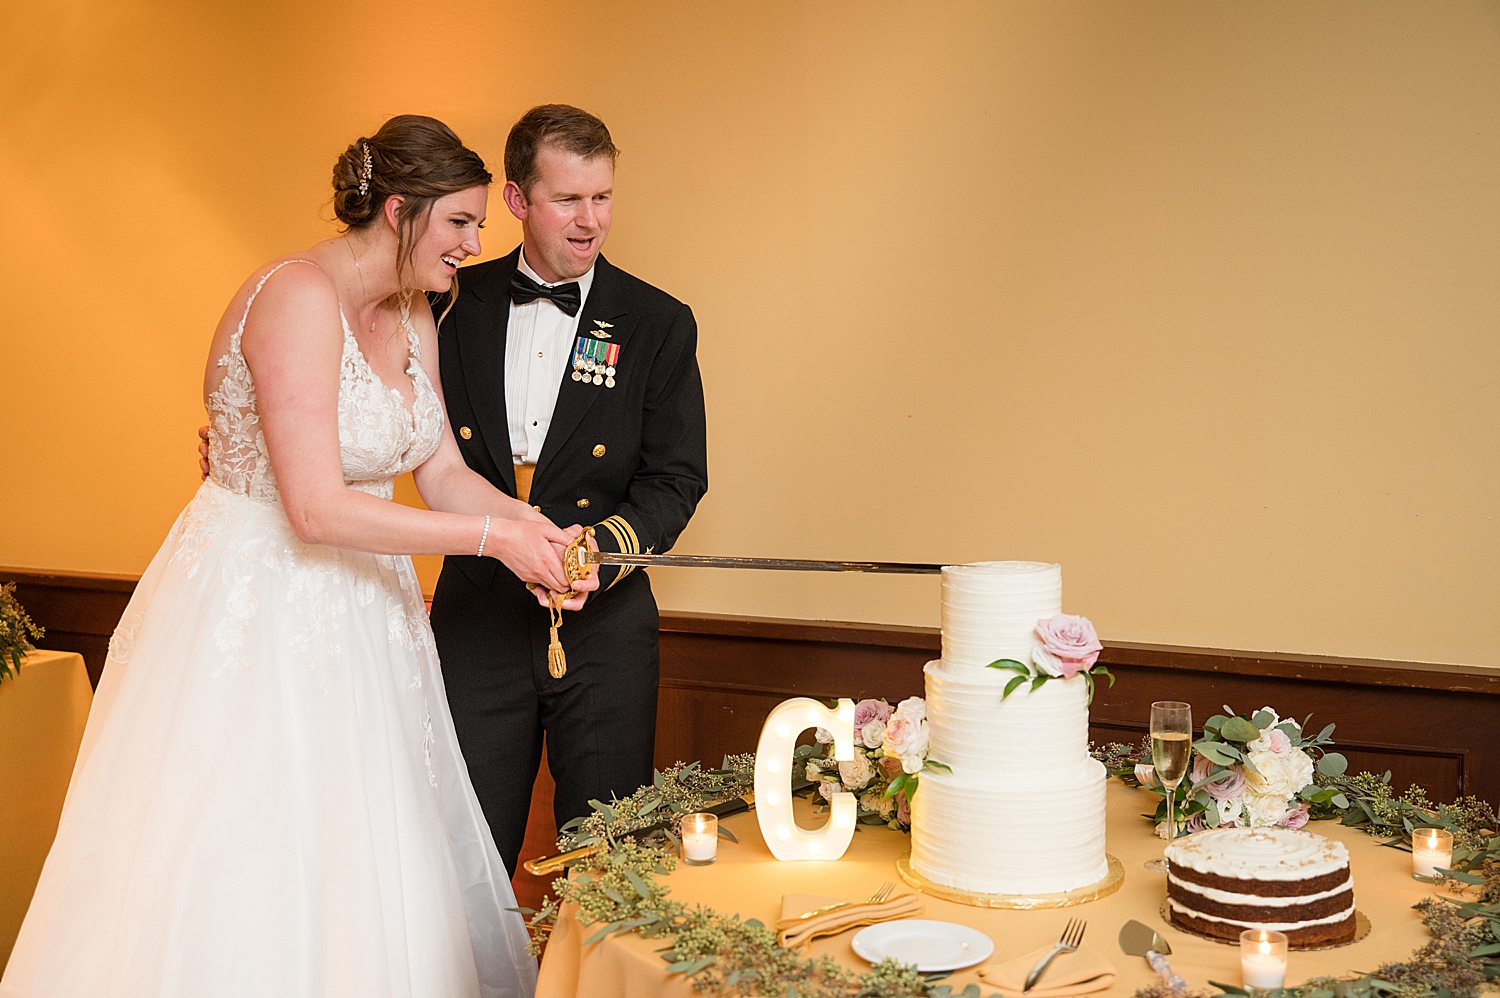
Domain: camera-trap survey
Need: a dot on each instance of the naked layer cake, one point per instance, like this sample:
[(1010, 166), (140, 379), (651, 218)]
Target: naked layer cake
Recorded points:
[(1225, 880)]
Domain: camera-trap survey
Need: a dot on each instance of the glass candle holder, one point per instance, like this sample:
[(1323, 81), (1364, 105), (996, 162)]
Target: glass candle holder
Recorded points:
[(1431, 851), (700, 839), (1263, 958)]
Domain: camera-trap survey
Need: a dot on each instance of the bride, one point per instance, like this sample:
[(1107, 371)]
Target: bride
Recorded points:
[(269, 798)]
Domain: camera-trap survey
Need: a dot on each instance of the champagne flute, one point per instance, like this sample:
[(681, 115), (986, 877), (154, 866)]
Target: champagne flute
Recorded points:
[(1171, 748)]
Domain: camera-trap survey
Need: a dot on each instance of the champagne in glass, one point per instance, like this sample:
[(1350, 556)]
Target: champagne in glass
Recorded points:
[(1171, 750)]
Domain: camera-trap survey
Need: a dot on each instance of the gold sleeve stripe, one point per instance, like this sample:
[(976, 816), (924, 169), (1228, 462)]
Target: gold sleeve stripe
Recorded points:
[(624, 547), (635, 543), (615, 531)]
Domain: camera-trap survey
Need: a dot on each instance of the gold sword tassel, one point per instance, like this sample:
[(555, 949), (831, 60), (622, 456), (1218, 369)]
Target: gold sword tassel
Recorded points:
[(557, 661)]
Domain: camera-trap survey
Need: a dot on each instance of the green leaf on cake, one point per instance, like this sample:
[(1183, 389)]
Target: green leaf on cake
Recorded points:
[(1010, 687), (1036, 683), (1011, 664), (1237, 729)]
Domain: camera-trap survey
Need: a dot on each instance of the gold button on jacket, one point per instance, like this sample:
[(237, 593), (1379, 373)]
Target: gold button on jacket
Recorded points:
[(583, 504), (465, 432), (598, 450)]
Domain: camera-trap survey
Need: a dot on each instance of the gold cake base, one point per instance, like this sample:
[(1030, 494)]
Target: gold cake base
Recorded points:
[(1113, 878)]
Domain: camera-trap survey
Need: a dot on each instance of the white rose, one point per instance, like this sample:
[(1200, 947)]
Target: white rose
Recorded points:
[(1272, 776), (1229, 810), (828, 789), (1300, 768), (878, 803), (872, 734), (856, 772), (823, 736), (914, 763), (1045, 660), (914, 708), (813, 769), (1264, 809)]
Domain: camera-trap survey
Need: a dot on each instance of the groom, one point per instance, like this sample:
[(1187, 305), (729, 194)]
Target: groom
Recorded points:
[(572, 386)]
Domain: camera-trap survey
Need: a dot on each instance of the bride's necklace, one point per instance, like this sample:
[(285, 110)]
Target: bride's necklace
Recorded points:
[(364, 293)]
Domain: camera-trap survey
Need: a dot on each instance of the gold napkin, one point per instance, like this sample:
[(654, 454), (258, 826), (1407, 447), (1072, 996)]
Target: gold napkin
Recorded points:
[(794, 931), (1070, 974)]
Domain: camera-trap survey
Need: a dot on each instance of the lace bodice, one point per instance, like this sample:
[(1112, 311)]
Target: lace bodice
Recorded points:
[(378, 438)]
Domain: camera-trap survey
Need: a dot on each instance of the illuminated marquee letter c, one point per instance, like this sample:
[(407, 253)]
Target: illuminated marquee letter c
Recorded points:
[(773, 780)]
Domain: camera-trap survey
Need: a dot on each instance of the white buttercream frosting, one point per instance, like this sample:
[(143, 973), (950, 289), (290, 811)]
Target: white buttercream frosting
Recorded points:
[(1255, 900), (1259, 854), (990, 610), (1022, 812)]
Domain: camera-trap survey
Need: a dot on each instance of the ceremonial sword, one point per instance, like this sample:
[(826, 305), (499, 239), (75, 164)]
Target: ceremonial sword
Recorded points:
[(581, 560)]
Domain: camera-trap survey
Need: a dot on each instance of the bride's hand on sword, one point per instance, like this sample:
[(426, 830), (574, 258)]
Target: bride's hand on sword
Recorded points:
[(580, 587), (533, 551)]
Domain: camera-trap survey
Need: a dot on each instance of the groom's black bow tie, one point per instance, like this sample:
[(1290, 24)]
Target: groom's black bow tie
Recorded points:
[(524, 291)]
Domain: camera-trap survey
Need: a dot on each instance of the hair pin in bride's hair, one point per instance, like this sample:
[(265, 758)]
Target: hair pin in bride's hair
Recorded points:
[(367, 171)]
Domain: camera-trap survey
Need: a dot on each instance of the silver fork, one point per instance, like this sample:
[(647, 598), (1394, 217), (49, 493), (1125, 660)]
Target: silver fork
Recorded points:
[(881, 893), (1068, 942)]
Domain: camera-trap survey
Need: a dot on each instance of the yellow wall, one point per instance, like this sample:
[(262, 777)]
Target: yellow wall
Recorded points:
[(1199, 300)]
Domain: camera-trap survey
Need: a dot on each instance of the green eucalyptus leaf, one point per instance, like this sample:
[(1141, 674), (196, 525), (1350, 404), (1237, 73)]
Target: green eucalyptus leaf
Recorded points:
[(1237, 729), (1333, 764), (639, 883), (1262, 719), (726, 833)]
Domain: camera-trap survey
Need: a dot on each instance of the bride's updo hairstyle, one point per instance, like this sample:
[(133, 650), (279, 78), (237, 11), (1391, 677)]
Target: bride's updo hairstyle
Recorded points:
[(414, 157)]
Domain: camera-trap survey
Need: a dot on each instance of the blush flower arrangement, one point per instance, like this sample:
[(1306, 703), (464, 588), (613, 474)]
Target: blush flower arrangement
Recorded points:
[(1065, 646), (1252, 772), (890, 754)]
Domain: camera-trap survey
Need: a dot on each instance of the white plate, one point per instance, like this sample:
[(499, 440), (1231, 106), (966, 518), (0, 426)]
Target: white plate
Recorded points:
[(928, 944)]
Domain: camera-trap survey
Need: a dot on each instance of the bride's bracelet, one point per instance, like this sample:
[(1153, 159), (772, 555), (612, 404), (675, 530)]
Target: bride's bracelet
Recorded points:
[(484, 537)]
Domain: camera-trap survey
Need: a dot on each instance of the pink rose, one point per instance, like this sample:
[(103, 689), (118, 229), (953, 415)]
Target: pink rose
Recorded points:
[(1294, 819), (905, 738), (903, 808), (891, 765), (870, 710), (1069, 640), (1228, 785), (1274, 741)]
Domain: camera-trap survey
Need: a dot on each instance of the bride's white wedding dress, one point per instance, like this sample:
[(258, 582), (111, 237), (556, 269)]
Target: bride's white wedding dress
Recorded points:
[(269, 801)]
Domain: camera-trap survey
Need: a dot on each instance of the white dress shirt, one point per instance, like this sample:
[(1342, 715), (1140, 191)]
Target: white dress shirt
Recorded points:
[(538, 346)]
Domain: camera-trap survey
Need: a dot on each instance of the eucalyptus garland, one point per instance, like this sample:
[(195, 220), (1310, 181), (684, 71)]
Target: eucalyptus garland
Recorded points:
[(17, 631), (622, 891)]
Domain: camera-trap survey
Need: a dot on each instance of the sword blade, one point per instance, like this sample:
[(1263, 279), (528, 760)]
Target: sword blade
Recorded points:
[(765, 564)]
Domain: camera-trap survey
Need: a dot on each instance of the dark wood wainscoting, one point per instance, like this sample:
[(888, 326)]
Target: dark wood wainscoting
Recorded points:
[(1434, 725), (78, 609)]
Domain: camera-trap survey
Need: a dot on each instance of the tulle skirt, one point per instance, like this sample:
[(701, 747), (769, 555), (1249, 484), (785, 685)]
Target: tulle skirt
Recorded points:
[(269, 799)]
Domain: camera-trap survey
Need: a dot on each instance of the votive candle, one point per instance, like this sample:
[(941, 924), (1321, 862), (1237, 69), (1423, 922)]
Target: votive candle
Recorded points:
[(1431, 851), (700, 839), (1263, 958)]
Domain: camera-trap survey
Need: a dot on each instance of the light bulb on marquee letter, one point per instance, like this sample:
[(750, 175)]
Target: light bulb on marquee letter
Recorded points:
[(773, 780)]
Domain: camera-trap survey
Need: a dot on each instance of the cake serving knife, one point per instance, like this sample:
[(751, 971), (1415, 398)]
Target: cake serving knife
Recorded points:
[(1140, 939)]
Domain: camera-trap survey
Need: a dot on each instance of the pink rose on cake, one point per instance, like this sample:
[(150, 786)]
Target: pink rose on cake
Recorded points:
[(1066, 645)]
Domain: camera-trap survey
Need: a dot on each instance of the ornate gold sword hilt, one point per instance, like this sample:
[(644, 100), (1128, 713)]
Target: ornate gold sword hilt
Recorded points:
[(575, 558)]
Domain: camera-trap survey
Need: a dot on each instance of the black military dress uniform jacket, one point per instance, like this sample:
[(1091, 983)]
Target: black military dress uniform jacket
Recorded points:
[(631, 460)]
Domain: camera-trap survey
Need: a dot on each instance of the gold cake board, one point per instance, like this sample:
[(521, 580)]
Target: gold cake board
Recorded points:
[(1113, 878)]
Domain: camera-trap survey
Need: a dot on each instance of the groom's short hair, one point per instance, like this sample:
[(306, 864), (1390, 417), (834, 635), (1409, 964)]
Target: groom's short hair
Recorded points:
[(561, 126)]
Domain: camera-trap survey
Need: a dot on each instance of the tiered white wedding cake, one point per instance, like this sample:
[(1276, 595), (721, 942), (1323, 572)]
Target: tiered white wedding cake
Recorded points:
[(1022, 811)]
